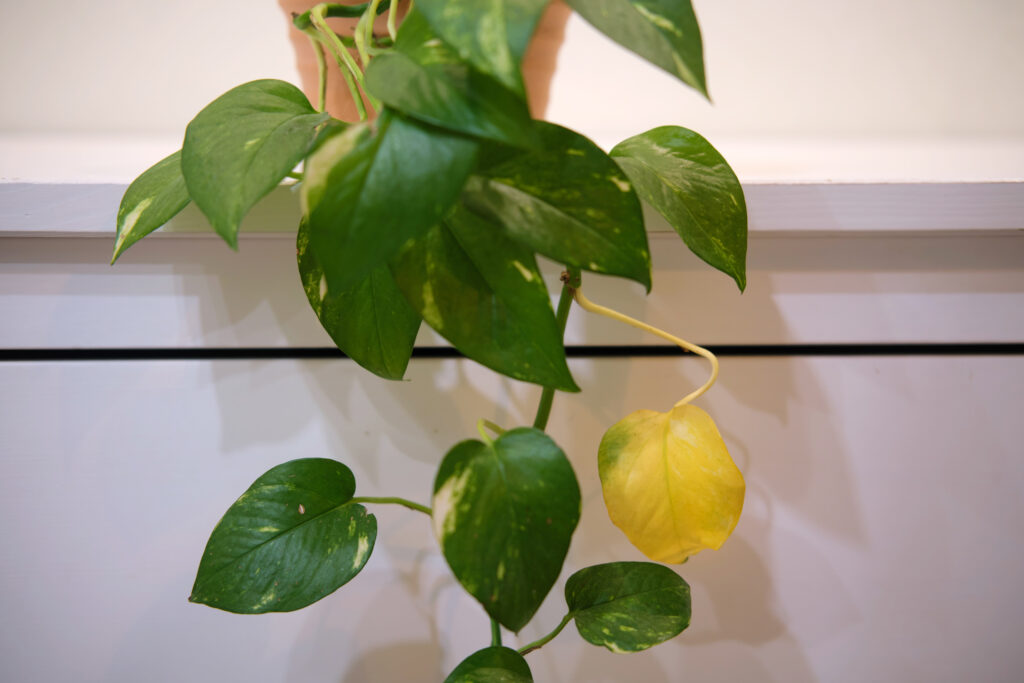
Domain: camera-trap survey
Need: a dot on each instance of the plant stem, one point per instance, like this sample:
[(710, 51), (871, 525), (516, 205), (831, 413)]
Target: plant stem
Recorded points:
[(393, 20), (570, 281), (541, 642), (589, 305), (321, 65), (394, 500), (294, 176), (349, 68), (495, 633)]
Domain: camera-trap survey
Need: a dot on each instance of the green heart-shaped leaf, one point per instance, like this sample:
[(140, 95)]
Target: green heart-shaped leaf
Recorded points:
[(482, 292), (664, 32), (492, 665), (152, 199), (628, 606), (681, 175), (424, 78), (504, 513), (567, 200), (491, 35), (367, 192), (240, 147), (292, 538), (371, 321)]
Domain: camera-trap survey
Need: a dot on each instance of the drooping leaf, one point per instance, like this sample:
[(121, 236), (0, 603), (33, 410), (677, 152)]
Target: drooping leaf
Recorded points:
[(681, 175), (154, 198), (504, 514), (371, 321), (491, 35), (482, 292), (664, 32), (567, 200), (366, 192), (628, 606), (669, 483), (492, 665), (240, 147), (425, 79), (292, 538)]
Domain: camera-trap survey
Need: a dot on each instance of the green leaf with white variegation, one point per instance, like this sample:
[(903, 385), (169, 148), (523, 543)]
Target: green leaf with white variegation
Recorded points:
[(628, 606), (680, 174), (292, 538), (152, 199), (371, 321), (424, 78), (492, 665), (240, 147), (567, 200), (488, 34), (504, 513), (482, 292), (367, 191), (664, 32)]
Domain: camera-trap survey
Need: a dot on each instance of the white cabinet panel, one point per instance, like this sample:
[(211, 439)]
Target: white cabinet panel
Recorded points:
[(879, 540), (195, 292)]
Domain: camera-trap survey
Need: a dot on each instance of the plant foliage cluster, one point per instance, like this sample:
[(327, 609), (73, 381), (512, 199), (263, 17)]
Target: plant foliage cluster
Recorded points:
[(434, 210)]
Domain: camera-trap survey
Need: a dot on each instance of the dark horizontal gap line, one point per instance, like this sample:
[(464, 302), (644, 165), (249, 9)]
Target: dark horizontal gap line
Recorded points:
[(587, 351)]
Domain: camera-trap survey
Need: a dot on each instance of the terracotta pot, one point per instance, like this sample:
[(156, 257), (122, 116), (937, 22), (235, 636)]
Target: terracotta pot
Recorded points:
[(538, 64)]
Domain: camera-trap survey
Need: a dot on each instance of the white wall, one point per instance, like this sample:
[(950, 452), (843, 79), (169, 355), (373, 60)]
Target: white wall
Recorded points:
[(790, 68)]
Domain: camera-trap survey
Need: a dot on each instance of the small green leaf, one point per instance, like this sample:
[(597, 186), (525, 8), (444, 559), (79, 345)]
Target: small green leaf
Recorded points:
[(482, 292), (152, 199), (367, 192), (504, 513), (425, 79), (628, 606), (681, 175), (289, 540), (488, 34), (492, 665), (567, 200), (371, 321), (241, 145), (664, 32)]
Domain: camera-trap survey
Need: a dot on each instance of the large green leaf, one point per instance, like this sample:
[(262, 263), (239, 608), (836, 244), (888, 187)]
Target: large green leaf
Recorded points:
[(290, 539), (491, 35), (628, 606), (504, 513), (241, 145), (681, 175), (424, 78), (567, 200), (366, 192), (492, 665), (484, 294), (664, 32), (371, 321), (152, 199)]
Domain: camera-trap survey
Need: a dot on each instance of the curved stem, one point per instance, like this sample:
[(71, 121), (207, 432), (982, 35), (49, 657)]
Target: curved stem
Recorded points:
[(570, 282), (481, 424), (541, 642), (321, 64), (349, 68), (393, 20), (393, 500), (589, 305)]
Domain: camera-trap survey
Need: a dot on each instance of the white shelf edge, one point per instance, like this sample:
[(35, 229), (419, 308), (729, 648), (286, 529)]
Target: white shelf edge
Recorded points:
[(89, 209)]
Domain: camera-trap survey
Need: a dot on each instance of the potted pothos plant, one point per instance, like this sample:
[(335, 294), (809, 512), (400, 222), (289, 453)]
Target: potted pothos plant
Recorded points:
[(432, 208)]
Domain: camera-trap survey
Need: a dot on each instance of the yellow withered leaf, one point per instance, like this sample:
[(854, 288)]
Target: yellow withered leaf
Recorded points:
[(669, 482)]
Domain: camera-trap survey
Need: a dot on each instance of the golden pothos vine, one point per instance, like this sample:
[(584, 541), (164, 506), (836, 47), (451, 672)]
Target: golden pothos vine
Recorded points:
[(433, 208)]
